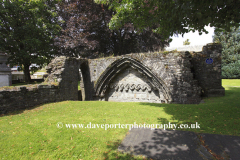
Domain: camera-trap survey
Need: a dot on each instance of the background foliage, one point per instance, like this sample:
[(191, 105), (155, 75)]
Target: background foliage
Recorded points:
[(230, 52), (86, 32), (174, 16), (27, 32)]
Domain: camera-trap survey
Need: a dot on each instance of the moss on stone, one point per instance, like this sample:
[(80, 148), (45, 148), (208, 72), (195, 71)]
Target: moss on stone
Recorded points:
[(4, 88)]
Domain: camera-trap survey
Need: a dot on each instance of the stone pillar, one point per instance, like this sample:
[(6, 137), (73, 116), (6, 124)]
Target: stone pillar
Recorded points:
[(5, 71), (207, 68)]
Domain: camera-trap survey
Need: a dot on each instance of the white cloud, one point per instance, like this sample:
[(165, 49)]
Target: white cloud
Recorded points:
[(194, 38)]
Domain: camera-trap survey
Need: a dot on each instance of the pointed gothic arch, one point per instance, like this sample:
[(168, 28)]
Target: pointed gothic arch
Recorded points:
[(103, 83)]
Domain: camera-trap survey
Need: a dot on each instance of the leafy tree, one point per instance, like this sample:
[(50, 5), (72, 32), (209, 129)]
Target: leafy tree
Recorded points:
[(230, 52), (86, 32), (174, 16), (186, 42), (27, 31)]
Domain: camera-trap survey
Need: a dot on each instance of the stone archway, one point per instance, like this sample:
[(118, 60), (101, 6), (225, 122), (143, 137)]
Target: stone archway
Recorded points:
[(127, 79)]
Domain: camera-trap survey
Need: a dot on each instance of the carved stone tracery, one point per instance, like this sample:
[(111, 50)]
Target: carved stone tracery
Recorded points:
[(132, 87), (149, 84)]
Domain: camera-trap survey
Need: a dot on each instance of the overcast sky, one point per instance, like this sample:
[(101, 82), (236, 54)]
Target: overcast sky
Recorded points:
[(194, 38)]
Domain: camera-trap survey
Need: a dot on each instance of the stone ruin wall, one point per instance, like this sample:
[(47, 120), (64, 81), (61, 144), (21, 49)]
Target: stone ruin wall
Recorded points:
[(208, 75), (65, 71), (58, 87), (169, 77), (173, 69), (186, 76)]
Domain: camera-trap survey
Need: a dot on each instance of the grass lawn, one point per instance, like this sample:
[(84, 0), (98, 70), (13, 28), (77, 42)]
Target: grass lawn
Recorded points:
[(33, 134), (231, 82)]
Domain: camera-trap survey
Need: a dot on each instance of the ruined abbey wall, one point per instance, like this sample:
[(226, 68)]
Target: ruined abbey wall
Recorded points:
[(171, 69), (183, 77), (169, 77), (61, 85), (208, 75)]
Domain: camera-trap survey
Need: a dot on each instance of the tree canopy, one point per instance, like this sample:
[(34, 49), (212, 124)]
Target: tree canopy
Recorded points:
[(86, 33), (174, 16), (230, 51), (27, 31)]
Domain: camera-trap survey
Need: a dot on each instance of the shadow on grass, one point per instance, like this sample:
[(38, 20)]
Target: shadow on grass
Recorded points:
[(218, 115), (23, 109)]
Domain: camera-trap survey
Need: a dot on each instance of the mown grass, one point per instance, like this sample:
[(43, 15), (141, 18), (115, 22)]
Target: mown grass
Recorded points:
[(231, 82), (33, 134)]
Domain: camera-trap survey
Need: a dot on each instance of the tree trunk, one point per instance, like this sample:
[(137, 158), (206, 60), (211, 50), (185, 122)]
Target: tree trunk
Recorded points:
[(27, 73)]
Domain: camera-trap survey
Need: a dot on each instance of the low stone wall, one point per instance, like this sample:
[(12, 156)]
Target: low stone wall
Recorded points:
[(62, 84), (18, 98)]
